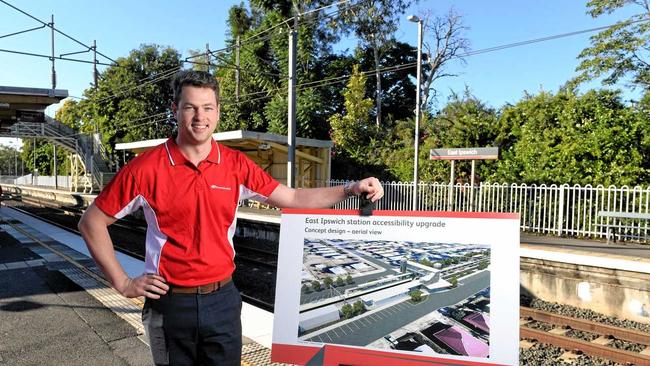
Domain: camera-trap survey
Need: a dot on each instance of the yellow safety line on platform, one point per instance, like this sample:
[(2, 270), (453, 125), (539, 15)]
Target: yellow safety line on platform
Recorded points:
[(95, 276)]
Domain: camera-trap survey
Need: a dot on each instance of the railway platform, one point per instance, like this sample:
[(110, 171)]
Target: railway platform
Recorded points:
[(44, 283), (57, 309)]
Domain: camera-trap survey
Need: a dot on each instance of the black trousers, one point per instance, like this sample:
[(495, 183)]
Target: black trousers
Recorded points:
[(194, 329)]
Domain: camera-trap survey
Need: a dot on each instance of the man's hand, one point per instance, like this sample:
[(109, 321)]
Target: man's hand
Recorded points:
[(370, 187), (147, 285)]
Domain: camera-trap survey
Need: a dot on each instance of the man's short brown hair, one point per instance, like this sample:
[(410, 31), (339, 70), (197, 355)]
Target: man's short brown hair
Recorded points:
[(200, 79)]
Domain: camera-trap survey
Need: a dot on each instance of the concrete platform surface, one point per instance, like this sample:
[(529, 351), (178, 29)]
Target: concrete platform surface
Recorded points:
[(55, 308), (49, 320), (586, 245)]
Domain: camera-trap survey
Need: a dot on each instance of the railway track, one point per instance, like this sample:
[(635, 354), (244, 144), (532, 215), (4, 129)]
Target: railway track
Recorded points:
[(254, 276), (622, 345), (576, 338)]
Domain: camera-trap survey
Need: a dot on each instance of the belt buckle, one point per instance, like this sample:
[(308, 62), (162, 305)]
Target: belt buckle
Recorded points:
[(202, 290), (209, 288)]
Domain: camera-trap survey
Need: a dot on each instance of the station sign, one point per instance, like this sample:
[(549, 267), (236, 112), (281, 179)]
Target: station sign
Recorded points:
[(29, 116), (407, 288), (466, 153)]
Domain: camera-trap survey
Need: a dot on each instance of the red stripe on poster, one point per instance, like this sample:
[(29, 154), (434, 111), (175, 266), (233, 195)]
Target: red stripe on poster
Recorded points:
[(340, 355), (291, 353)]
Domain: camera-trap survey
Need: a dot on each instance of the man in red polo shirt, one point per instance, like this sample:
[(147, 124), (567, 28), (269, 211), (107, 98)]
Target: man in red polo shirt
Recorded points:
[(189, 188)]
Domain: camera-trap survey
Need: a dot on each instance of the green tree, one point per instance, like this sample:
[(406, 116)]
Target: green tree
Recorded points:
[(483, 264), (351, 132), (257, 100), (316, 285), (347, 311), (44, 157), (71, 114), (398, 86), (619, 51), (349, 280), (339, 281), (465, 121), (453, 281), (566, 138), (306, 288), (133, 99), (9, 160), (328, 282), (416, 295), (359, 307), (374, 22)]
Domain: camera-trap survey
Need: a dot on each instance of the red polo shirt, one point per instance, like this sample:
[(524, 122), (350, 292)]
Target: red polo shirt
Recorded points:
[(190, 210)]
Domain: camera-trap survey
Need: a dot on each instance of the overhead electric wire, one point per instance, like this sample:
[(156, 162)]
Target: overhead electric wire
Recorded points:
[(56, 30), (342, 78), (544, 39), (304, 86), (252, 38), (232, 67), (56, 58), (159, 77), (319, 83), (142, 124), (21, 32)]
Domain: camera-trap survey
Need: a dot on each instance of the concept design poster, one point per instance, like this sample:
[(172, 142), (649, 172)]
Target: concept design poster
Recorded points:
[(397, 287)]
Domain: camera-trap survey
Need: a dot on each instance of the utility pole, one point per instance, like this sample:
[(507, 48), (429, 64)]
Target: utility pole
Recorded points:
[(207, 55), (416, 142), (34, 170), (95, 76), (237, 69), (56, 177), (53, 70), (16, 159), (291, 130)]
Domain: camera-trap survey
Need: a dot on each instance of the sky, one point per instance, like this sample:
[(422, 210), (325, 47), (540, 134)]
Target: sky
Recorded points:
[(119, 26)]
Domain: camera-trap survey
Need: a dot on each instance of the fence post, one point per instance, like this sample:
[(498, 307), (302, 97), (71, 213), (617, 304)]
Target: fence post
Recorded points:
[(480, 197), (560, 217)]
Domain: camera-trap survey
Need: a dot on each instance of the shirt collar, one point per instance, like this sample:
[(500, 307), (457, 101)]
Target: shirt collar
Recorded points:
[(176, 157), (215, 153)]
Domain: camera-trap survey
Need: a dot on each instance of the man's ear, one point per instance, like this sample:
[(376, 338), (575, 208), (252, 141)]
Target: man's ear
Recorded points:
[(175, 111)]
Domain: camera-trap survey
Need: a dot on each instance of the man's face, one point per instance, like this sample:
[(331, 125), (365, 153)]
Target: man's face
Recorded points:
[(197, 114)]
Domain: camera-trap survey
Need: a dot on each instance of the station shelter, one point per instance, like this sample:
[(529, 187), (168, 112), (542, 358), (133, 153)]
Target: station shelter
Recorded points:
[(269, 151)]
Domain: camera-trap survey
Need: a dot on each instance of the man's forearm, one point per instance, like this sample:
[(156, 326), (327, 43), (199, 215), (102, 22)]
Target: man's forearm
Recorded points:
[(326, 197), (101, 248), (319, 197)]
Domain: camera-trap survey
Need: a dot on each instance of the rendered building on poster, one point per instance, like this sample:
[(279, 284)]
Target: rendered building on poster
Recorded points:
[(361, 293)]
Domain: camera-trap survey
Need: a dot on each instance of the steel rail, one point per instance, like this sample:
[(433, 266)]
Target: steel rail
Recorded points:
[(629, 335), (617, 355), (247, 298)]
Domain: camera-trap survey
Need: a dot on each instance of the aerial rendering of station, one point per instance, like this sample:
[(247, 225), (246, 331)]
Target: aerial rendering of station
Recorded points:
[(379, 277), (367, 295)]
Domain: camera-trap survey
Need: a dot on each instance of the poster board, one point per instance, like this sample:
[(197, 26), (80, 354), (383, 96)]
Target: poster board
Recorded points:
[(404, 288)]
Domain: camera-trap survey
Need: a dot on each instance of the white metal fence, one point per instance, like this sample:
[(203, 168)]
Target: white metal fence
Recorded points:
[(559, 210), (62, 182)]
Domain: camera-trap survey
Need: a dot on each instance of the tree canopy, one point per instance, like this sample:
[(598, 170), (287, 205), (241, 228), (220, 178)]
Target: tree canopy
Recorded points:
[(620, 51), (563, 137)]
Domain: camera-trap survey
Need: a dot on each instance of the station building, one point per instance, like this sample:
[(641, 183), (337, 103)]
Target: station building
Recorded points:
[(389, 295), (269, 151), (318, 317)]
